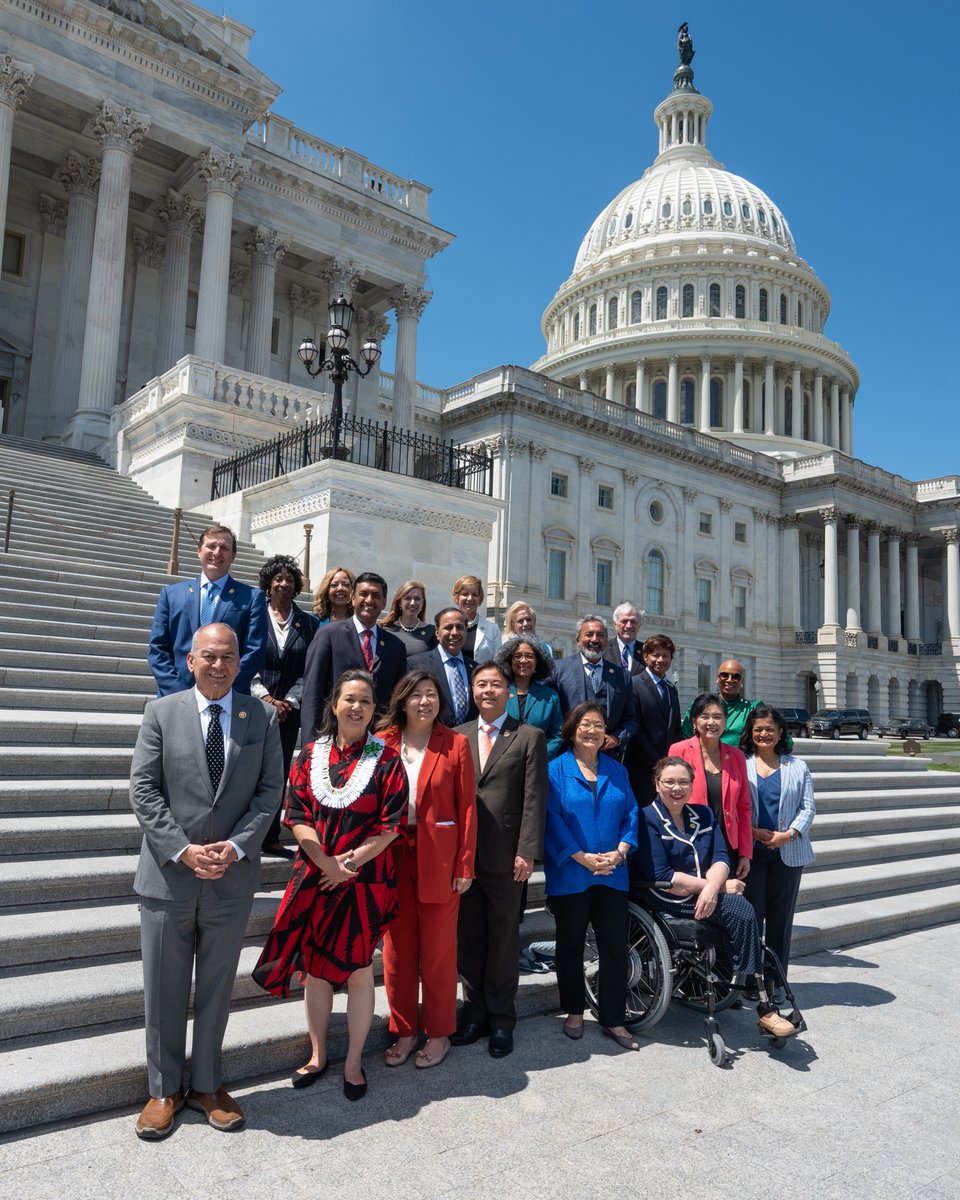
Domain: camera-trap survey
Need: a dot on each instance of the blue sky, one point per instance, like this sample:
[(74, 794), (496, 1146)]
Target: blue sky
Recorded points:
[(527, 118)]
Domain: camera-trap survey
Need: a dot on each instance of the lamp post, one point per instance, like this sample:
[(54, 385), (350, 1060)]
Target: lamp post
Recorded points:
[(339, 364)]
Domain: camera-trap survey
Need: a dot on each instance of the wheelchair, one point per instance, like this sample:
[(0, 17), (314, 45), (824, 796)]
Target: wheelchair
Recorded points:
[(678, 958)]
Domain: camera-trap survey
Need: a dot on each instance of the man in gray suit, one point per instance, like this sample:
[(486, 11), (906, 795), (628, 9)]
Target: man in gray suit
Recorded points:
[(205, 782)]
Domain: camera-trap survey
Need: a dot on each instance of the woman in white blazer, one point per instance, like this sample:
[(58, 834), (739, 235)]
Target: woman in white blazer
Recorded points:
[(483, 637), (781, 792)]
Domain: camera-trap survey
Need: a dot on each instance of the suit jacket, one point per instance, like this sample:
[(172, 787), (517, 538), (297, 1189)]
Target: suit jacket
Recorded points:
[(573, 688), (335, 649), (446, 837), (487, 640), (734, 792), (173, 797), (432, 661), (542, 709), (655, 733), (797, 806), (282, 668), (612, 654), (511, 795), (177, 618)]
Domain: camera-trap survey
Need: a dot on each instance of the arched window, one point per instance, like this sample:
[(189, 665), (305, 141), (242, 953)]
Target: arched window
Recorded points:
[(728, 208), (687, 207), (746, 404), (764, 316), (800, 313), (687, 402), (707, 207), (740, 302), (655, 577), (661, 303), (762, 216), (714, 299), (612, 313), (666, 210), (687, 309), (783, 308), (576, 325), (716, 404), (660, 399), (788, 411), (636, 307), (592, 326), (612, 227), (628, 219), (745, 210)]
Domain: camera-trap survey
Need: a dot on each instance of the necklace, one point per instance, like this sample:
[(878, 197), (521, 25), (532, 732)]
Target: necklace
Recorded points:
[(409, 628), (585, 767), (323, 786)]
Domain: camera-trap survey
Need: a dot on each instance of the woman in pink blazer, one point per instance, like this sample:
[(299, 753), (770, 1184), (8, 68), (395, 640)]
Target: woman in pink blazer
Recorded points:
[(434, 867), (720, 780)]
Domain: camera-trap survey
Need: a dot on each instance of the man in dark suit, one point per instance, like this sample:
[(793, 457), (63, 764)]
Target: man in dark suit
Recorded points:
[(587, 675), (450, 667), (182, 608), (357, 642), (510, 762), (658, 716), (205, 781), (624, 650)]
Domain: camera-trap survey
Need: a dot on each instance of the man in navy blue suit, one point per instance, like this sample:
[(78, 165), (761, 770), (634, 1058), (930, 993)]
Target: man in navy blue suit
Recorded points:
[(658, 716), (587, 675), (212, 597)]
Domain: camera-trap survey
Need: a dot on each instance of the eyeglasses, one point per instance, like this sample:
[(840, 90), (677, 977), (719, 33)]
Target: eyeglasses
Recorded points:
[(518, 657), (729, 675), (591, 727)]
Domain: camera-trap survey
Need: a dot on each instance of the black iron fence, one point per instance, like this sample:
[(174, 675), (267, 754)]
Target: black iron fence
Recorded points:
[(366, 443)]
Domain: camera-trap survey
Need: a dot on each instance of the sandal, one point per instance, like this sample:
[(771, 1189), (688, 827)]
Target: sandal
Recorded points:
[(624, 1040), (395, 1056), (423, 1059)]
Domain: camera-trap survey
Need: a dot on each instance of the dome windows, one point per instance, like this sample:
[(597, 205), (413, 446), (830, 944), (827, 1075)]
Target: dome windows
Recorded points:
[(628, 219), (612, 227), (592, 320), (660, 399), (727, 207), (745, 210), (783, 308), (740, 302), (716, 404), (762, 216), (686, 208), (800, 313), (707, 207), (612, 312), (661, 303), (687, 300), (764, 305), (666, 210), (656, 511), (636, 307), (714, 299), (687, 402), (576, 326), (776, 225)]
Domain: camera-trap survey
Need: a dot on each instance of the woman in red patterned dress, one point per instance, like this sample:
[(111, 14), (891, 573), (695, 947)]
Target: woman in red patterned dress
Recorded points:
[(347, 802)]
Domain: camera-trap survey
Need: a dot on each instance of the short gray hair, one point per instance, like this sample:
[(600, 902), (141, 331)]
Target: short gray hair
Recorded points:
[(592, 617), (219, 625), (619, 611)]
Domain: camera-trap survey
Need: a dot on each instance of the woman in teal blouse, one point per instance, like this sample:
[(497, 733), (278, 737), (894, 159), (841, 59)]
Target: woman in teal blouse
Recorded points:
[(531, 702)]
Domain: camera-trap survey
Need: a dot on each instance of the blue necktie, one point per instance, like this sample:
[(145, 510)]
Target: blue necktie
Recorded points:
[(208, 602), (460, 704)]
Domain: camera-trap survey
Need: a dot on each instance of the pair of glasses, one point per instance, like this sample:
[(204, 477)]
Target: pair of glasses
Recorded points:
[(592, 727), (729, 675)]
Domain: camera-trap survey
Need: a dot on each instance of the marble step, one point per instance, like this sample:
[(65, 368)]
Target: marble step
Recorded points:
[(841, 885), (116, 667), (30, 797), (39, 728), (118, 616), (882, 847), (59, 642), (861, 921), (830, 825), (43, 762), (911, 777), (36, 696), (836, 802)]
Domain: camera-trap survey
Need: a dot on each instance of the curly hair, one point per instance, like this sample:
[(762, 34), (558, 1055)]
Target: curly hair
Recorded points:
[(272, 568), (506, 652)]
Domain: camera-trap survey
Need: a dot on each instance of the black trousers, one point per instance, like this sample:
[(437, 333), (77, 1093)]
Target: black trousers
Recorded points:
[(772, 889), (488, 949), (606, 909)]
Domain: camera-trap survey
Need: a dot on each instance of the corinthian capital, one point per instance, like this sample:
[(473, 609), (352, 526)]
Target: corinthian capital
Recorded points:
[(266, 246), (53, 215), (148, 248), (15, 78), (951, 536), (342, 276), (222, 171), (79, 176), (119, 128), (179, 213), (409, 301), (303, 302)]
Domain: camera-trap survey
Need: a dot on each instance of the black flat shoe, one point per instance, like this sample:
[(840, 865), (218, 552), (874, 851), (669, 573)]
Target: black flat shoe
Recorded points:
[(501, 1043), (467, 1034), (355, 1091), (306, 1077)]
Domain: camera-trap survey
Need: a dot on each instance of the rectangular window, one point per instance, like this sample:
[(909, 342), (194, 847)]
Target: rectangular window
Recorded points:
[(604, 496), (604, 582), (704, 600), (558, 485), (14, 245), (740, 606), (704, 680), (740, 532), (193, 300), (706, 523), (275, 336), (556, 574)]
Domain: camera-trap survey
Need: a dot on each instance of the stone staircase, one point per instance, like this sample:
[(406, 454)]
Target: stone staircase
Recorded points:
[(87, 557)]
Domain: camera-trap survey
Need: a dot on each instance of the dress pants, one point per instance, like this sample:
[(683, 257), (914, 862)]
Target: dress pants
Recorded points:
[(173, 934), (488, 949), (772, 889), (606, 909), (420, 944)]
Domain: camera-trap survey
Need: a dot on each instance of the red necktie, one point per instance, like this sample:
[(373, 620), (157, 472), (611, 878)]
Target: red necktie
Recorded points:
[(367, 648)]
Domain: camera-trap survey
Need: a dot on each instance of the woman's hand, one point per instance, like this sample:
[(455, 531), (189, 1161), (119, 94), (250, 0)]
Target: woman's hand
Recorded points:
[(743, 867), (778, 839), (594, 863), (334, 872), (734, 887), (762, 836), (706, 902), (461, 885)]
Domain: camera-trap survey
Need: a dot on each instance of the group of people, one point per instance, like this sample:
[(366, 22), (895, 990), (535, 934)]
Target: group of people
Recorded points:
[(440, 760)]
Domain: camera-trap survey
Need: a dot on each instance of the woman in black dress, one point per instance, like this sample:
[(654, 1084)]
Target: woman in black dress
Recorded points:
[(406, 618), (346, 803)]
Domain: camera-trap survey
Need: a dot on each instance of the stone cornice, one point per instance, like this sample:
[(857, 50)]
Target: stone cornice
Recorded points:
[(333, 499)]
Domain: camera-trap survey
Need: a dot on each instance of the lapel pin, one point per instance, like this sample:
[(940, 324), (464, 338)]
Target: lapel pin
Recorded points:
[(230, 591), (241, 714), (505, 732), (190, 588)]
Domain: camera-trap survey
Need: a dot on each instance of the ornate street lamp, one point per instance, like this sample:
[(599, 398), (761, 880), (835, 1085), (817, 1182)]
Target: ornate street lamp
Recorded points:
[(339, 364)]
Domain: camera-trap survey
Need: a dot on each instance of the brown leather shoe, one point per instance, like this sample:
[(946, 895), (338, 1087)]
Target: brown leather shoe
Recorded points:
[(219, 1107), (157, 1119)]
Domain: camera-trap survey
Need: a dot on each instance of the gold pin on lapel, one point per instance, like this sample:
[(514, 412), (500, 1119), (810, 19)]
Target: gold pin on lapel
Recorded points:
[(241, 714), (505, 732), (190, 587), (230, 591)]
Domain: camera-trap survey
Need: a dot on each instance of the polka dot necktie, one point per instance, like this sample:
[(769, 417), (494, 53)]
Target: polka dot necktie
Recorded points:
[(215, 745)]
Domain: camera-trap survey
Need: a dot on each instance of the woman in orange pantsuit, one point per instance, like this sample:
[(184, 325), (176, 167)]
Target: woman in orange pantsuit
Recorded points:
[(434, 867)]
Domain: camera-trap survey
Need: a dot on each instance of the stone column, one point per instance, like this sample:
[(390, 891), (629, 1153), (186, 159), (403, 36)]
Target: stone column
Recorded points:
[(770, 399), (611, 383), (120, 131), (846, 433), (874, 616), (640, 399), (738, 393), (15, 78), (835, 413), (80, 178), (853, 571), (893, 583), (818, 406), (912, 588), (790, 570), (756, 393), (181, 217), (584, 382), (796, 387), (831, 568), (223, 175), (408, 303), (673, 399), (952, 582), (266, 248), (705, 425)]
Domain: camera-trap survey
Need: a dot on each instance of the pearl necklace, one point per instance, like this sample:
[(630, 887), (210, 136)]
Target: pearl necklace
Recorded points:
[(323, 787), (409, 628)]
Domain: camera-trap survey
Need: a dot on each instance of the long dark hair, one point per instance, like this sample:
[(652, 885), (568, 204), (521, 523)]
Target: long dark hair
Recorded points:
[(396, 715), (328, 723), (769, 713)]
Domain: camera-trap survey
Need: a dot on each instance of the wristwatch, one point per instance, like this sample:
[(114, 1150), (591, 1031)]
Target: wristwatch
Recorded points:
[(794, 834), (350, 865)]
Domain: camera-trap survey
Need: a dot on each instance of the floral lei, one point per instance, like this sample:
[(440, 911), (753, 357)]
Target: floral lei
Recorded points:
[(323, 786)]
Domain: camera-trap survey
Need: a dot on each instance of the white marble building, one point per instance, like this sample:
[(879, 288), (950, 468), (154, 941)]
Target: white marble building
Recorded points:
[(686, 441)]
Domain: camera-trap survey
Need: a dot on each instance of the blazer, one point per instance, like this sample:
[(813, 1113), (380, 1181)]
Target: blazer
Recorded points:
[(734, 790), (572, 687), (177, 618), (575, 822), (511, 795), (542, 709), (282, 669), (797, 806), (336, 648), (666, 849), (174, 801), (487, 640), (446, 829), (432, 661), (655, 732), (612, 654)]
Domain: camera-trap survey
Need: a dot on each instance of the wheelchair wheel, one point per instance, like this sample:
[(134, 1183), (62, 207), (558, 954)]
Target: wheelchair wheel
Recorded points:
[(649, 971), (691, 985), (717, 1050)]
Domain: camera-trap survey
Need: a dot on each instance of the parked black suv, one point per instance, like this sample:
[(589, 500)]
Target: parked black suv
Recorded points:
[(797, 720), (832, 722), (948, 725)]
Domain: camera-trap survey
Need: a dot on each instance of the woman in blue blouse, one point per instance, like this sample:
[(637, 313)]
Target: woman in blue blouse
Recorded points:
[(781, 790), (531, 701), (683, 848), (591, 828)]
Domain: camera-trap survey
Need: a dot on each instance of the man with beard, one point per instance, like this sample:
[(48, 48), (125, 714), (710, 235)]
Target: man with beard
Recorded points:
[(587, 675)]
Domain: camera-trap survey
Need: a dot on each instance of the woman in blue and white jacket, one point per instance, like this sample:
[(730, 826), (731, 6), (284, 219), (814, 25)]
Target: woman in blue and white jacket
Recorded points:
[(781, 791)]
